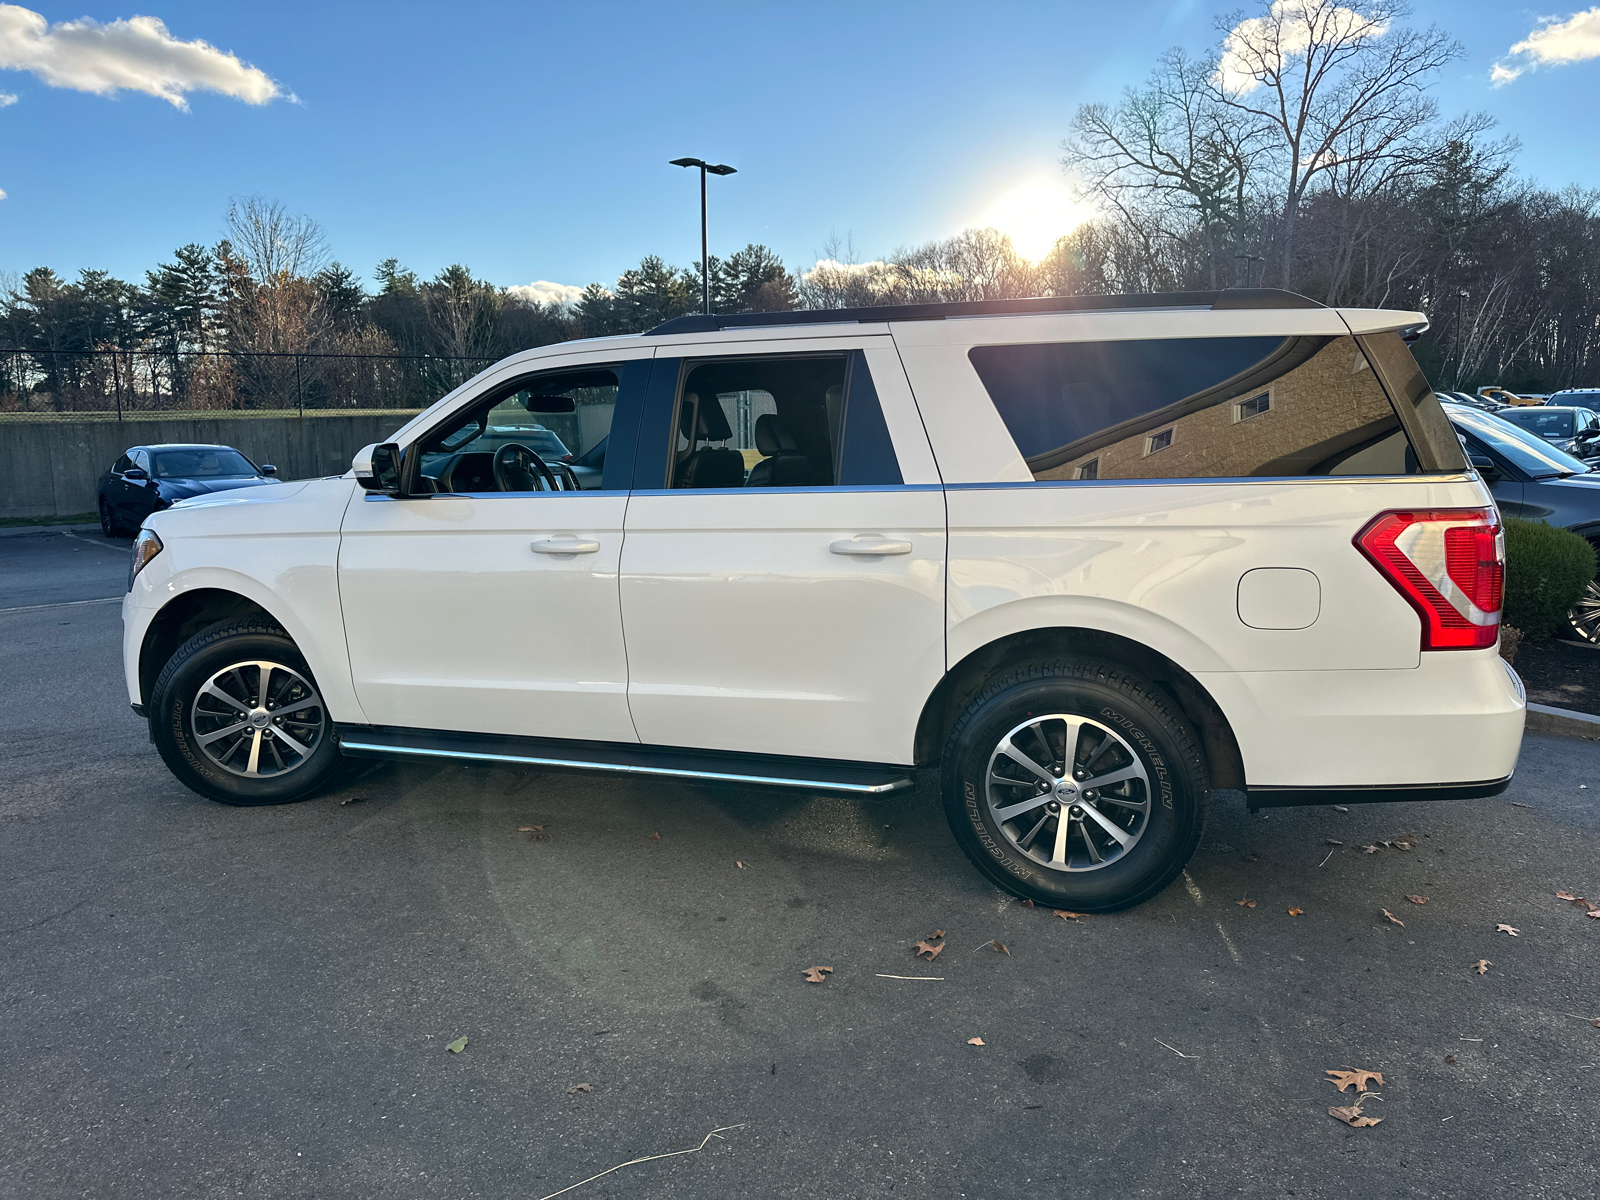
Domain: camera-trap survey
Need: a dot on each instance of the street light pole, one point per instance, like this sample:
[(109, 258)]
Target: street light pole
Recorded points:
[(705, 237)]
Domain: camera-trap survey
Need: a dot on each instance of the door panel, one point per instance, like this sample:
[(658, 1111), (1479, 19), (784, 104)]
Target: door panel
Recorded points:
[(455, 619), (747, 632)]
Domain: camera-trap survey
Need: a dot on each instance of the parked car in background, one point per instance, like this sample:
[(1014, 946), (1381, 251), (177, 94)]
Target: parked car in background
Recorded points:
[(1574, 430), (1482, 402), (147, 479), (1578, 397), (1532, 479), (1090, 557), (1501, 396)]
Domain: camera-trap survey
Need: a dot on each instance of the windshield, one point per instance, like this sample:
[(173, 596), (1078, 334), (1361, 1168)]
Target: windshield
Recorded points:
[(202, 462), (1547, 423), (1526, 451)]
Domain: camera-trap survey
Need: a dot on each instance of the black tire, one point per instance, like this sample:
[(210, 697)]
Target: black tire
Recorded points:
[(1138, 726), (174, 717), (108, 521)]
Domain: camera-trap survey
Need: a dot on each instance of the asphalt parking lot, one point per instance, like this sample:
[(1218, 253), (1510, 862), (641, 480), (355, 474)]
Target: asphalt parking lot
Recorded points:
[(205, 1001)]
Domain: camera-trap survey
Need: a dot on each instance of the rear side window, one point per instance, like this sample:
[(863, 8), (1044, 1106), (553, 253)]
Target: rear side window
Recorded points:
[(1196, 408)]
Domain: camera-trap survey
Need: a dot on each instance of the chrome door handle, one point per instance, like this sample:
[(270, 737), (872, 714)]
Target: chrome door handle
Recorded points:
[(565, 545), (863, 545)]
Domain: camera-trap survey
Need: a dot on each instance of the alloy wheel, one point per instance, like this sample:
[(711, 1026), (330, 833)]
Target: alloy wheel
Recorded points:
[(258, 719), (1068, 792), (1585, 616)]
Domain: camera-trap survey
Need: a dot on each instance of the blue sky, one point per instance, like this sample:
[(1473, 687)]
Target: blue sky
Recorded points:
[(530, 141)]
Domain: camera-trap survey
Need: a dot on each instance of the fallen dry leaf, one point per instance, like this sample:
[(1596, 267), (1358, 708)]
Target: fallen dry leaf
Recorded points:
[(1417, 899), (1344, 1079), (1559, 895), (1595, 1022), (1351, 1115), (1027, 904), (1372, 849), (1504, 928), (1246, 903), (535, 833), (740, 865), (1391, 918), (351, 800), (976, 1042), (580, 1087), (655, 837), (818, 974), (999, 947), (1450, 1058), (928, 950), (1482, 966), (1406, 841), (1297, 912), (1340, 808), (1067, 916), (1332, 842)]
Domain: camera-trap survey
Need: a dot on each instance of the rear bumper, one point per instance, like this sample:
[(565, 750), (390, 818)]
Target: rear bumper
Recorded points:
[(1452, 724)]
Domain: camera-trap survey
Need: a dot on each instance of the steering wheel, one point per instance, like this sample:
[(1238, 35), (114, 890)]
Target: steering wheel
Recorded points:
[(519, 469)]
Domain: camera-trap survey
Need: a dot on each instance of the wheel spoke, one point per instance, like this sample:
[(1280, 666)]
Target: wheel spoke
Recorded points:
[(1070, 751), (216, 693), (1027, 842), (293, 745), (253, 767), (1094, 851), (1120, 802), (1009, 749), (1132, 771), (1109, 826), (266, 674), (1014, 810), (1063, 827), (207, 739), (313, 702)]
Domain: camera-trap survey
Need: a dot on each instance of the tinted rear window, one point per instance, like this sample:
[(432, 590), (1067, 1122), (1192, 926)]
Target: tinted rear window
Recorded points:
[(1187, 408)]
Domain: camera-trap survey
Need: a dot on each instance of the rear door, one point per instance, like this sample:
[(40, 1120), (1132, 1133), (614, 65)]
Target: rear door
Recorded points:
[(783, 571)]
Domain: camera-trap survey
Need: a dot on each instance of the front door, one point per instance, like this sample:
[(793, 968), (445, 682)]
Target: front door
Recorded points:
[(490, 605), (783, 569)]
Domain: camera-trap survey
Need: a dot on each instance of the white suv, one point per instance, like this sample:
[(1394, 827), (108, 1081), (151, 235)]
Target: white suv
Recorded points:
[(1093, 557)]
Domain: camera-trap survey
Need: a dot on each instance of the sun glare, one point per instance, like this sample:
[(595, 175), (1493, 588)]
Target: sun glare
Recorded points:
[(1035, 215)]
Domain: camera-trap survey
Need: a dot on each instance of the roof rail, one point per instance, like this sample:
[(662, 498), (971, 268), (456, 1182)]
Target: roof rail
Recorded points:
[(1227, 298)]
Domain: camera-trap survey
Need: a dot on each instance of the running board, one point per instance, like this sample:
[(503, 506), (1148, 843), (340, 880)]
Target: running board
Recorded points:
[(621, 758)]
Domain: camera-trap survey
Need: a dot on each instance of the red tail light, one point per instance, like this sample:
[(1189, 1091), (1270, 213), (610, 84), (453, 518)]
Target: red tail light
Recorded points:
[(1450, 564)]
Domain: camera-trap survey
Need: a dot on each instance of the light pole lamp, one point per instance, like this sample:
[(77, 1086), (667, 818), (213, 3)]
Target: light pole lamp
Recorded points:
[(705, 242)]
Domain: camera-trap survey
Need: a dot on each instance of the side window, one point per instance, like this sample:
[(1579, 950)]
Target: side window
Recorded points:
[(803, 420), (141, 459), (1195, 408), (540, 433), (122, 464)]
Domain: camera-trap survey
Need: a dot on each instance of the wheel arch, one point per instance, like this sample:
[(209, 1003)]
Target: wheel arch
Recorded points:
[(964, 680), (185, 615)]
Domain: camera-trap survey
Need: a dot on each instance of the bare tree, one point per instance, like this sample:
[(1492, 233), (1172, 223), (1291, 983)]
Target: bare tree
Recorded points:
[(274, 244)]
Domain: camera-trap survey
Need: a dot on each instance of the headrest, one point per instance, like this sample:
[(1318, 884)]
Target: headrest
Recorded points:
[(772, 438), (713, 423)]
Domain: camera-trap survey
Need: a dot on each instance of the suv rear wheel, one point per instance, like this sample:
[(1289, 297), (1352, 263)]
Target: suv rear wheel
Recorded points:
[(237, 716), (1075, 784)]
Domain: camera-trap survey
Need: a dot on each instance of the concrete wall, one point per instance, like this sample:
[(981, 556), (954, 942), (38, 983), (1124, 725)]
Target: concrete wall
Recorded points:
[(53, 468)]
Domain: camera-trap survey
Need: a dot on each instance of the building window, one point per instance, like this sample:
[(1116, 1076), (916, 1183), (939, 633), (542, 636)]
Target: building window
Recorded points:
[(1253, 407), (1157, 441), (1090, 469)]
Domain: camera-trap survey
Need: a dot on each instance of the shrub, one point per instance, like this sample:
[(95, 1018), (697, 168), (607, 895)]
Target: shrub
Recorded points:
[(1547, 570)]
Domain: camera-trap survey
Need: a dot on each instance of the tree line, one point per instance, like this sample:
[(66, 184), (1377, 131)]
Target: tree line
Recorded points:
[(1304, 152)]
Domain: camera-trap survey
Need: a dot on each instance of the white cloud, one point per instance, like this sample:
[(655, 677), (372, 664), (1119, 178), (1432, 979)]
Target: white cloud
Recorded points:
[(1576, 39), (2, 193), (135, 54), (542, 291), (1267, 43), (877, 275), (7, 99)]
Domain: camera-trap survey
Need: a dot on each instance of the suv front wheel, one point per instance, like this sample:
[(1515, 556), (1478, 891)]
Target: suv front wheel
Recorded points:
[(237, 716), (1075, 784)]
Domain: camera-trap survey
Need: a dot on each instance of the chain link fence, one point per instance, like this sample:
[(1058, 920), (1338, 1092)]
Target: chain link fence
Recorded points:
[(41, 385)]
